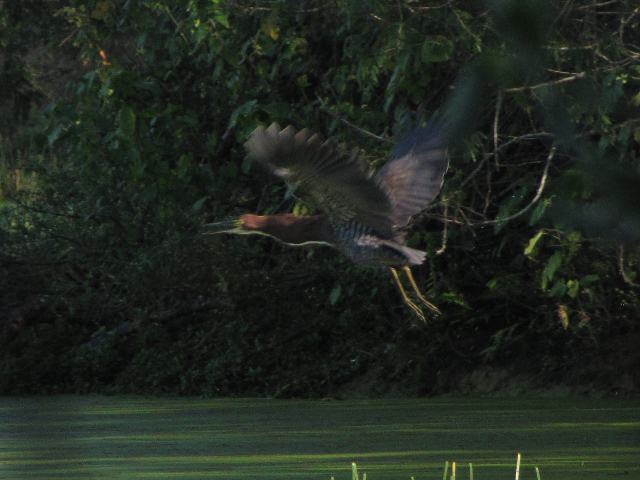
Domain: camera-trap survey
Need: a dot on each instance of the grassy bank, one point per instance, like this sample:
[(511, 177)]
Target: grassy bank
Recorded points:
[(125, 437)]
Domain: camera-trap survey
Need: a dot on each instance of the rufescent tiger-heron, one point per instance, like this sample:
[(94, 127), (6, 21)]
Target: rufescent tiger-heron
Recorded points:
[(363, 215)]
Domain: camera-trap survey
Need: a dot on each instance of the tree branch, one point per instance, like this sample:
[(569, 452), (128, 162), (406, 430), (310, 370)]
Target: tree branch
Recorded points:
[(352, 125), (487, 156), (445, 230), (623, 273), (541, 185), (571, 78)]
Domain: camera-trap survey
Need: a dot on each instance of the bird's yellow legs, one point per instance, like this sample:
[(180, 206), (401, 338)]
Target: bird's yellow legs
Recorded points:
[(419, 294), (416, 309), (410, 303)]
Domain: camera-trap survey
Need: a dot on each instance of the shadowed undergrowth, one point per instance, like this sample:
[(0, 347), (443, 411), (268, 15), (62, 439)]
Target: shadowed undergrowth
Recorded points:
[(121, 133)]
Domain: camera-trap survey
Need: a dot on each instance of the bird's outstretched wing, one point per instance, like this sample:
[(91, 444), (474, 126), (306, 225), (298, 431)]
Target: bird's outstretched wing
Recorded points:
[(336, 180), (414, 174)]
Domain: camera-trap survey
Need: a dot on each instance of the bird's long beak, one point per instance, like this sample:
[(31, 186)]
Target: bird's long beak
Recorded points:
[(224, 226)]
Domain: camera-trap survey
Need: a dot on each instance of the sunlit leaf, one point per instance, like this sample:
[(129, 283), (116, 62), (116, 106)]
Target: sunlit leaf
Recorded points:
[(563, 316), (436, 49), (126, 122), (247, 162), (456, 298), (244, 110), (54, 134), (222, 19), (550, 269), (335, 294), (539, 211), (270, 29), (559, 289), (589, 279), (196, 207), (101, 10), (530, 250)]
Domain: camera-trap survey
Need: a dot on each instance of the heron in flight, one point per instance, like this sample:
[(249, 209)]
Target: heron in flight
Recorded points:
[(364, 215)]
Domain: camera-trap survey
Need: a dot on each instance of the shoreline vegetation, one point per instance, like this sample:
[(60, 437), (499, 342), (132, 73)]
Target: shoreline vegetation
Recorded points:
[(121, 133)]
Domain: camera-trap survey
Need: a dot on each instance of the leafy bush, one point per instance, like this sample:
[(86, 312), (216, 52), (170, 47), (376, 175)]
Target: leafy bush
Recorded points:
[(533, 243)]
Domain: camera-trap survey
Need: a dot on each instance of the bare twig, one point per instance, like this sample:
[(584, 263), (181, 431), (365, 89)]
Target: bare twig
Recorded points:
[(528, 136), (541, 185), (563, 11), (445, 230), (496, 121), (169, 14), (625, 276), (31, 208), (487, 194), (623, 24), (68, 37), (464, 25), (352, 125), (571, 78), (466, 221), (597, 5), (431, 7), (560, 72)]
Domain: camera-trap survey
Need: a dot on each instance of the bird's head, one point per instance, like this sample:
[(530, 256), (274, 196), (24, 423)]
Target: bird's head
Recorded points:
[(285, 227), (235, 225)]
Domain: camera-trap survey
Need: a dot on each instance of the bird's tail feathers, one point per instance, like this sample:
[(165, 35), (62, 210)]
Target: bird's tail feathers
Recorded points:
[(414, 257), (411, 255)]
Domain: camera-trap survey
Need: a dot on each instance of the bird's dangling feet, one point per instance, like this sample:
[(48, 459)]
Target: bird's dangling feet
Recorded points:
[(427, 303), (416, 309), (410, 303)]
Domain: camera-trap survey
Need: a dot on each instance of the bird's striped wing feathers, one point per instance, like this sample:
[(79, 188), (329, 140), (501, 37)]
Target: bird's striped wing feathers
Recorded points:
[(335, 179), (414, 175), (338, 182)]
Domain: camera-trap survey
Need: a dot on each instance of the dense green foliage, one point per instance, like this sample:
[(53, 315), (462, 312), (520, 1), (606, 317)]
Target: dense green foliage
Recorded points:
[(122, 132)]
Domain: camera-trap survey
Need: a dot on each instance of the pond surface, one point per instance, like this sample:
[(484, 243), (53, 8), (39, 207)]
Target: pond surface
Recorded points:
[(131, 438)]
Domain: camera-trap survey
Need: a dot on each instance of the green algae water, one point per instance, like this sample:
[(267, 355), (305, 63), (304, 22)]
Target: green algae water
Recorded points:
[(134, 438)]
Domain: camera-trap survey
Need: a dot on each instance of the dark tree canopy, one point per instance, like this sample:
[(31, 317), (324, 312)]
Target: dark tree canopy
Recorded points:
[(121, 133)]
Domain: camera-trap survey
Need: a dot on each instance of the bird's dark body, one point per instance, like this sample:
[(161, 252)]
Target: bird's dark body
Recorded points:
[(364, 246), (363, 215)]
